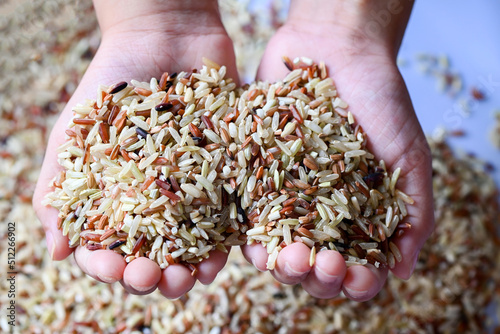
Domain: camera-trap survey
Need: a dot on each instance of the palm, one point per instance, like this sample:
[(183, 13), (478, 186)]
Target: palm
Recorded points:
[(380, 102), (122, 58)]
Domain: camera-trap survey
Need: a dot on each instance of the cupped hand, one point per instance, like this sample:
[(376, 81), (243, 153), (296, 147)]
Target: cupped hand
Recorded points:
[(140, 40), (364, 70)]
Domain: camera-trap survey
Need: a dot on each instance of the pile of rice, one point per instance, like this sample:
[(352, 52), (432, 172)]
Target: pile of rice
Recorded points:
[(162, 169), (316, 182), (143, 170)]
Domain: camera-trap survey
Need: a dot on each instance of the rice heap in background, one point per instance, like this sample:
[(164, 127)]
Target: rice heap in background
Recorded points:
[(250, 28), (454, 280)]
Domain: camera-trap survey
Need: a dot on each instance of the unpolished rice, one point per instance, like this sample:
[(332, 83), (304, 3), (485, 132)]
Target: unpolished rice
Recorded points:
[(316, 184), (316, 154), (150, 159)]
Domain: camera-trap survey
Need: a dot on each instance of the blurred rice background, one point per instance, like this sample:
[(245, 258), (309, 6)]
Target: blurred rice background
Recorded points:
[(45, 47)]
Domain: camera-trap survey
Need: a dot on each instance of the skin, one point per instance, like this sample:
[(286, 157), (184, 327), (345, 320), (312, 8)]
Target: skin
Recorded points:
[(166, 41), (147, 38), (362, 62)]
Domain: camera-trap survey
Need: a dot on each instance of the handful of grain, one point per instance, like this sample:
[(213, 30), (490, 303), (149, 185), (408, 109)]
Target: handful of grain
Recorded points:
[(174, 169), (314, 180), (143, 173)]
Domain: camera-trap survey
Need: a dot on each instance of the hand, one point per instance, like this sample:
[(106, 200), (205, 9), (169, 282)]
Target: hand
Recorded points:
[(139, 40), (361, 61)]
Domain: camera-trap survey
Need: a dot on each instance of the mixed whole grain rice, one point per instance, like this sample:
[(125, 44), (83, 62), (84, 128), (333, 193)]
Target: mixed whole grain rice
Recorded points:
[(315, 181), (456, 276), (143, 170), (174, 169)]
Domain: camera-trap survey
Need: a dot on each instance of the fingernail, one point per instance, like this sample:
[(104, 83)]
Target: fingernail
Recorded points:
[(106, 279), (255, 265), (293, 273), (49, 239), (331, 278), (141, 288), (355, 293)]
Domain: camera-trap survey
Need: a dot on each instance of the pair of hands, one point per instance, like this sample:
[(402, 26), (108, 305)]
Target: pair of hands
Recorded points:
[(145, 39)]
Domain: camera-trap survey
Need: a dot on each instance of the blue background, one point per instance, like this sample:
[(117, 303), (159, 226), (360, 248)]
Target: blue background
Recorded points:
[(469, 33)]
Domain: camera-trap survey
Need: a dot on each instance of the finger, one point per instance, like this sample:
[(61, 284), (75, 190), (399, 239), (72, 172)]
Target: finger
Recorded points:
[(292, 265), (271, 67), (256, 254), (57, 244), (141, 276), (81, 256), (362, 283), (209, 268), (416, 181), (175, 281), (326, 277), (409, 244), (104, 265)]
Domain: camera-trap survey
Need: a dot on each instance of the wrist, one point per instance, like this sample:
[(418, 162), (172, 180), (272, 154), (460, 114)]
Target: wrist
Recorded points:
[(375, 24), (156, 16)]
